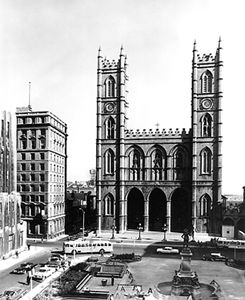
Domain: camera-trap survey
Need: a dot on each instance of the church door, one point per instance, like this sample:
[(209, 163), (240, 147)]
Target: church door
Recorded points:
[(135, 209), (157, 210)]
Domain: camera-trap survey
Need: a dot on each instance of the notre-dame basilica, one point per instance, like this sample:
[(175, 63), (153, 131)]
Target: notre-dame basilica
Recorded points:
[(159, 177)]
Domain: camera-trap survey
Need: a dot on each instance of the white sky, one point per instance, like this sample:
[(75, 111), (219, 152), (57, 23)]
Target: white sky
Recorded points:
[(54, 43)]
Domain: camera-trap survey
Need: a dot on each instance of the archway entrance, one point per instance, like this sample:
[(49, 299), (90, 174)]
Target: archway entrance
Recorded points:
[(135, 211), (157, 210), (180, 210)]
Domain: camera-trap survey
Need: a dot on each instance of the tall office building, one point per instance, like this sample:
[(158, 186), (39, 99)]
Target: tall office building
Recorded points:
[(12, 229), (41, 171)]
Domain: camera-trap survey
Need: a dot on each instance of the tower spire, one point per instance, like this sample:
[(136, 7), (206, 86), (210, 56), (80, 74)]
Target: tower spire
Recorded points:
[(29, 97)]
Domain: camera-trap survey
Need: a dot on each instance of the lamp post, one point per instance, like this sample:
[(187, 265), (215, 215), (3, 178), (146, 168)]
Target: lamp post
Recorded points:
[(83, 224), (140, 228), (113, 228), (165, 228)]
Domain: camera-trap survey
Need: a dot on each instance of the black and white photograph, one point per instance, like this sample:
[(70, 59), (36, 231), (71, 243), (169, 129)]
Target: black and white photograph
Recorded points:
[(122, 149)]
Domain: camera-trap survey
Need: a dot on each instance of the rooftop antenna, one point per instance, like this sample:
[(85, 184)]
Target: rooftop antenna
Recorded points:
[(29, 104)]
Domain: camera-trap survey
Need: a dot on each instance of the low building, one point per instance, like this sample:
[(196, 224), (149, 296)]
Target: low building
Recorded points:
[(234, 216), (80, 207), (12, 228)]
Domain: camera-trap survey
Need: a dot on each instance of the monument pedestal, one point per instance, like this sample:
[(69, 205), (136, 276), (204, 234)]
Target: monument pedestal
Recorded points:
[(185, 281)]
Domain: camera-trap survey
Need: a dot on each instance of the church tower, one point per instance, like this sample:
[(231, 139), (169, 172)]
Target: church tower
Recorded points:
[(111, 117), (207, 139)]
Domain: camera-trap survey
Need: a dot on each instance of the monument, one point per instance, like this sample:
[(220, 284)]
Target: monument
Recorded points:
[(185, 283)]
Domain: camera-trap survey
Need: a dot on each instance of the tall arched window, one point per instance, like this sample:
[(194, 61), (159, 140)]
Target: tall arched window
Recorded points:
[(207, 80), (110, 128), (109, 87), (108, 205), (109, 162), (205, 205), (136, 165), (180, 163), (206, 125), (157, 165), (205, 161)]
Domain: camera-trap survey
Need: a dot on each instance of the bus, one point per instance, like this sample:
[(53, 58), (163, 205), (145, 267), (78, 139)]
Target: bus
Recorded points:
[(231, 243), (87, 246)]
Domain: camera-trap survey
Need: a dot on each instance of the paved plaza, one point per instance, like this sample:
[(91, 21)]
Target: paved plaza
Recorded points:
[(153, 270)]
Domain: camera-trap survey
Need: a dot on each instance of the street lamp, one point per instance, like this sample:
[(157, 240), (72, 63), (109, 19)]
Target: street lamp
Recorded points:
[(113, 228), (140, 228), (83, 212), (165, 228)]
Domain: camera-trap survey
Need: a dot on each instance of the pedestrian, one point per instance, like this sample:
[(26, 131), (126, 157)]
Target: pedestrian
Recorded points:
[(28, 279), (28, 246), (17, 254), (112, 280)]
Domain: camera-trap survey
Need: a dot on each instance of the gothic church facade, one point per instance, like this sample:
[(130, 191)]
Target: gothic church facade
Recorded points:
[(159, 178)]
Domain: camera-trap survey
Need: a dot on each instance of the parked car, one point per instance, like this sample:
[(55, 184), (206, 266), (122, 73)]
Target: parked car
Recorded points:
[(169, 250), (18, 270), (43, 273), (23, 268), (13, 293), (215, 256)]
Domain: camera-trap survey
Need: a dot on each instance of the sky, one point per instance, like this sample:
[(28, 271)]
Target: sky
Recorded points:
[(54, 44)]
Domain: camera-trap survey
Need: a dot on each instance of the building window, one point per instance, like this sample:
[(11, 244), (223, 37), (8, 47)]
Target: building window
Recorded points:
[(206, 80), (109, 205), (205, 206), (180, 163), (23, 167), (23, 177), (136, 165), (206, 125), (41, 177), (23, 156), (205, 161), (110, 128), (41, 155), (109, 87), (42, 167), (32, 177), (157, 165), (109, 162), (32, 167), (32, 156)]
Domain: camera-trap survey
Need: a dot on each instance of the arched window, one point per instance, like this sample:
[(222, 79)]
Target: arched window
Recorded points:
[(206, 125), (136, 165), (108, 205), (109, 162), (207, 80), (157, 165), (205, 161), (109, 87), (205, 206), (110, 128), (179, 164)]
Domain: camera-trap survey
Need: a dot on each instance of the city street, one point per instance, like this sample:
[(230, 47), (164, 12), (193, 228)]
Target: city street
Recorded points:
[(153, 268)]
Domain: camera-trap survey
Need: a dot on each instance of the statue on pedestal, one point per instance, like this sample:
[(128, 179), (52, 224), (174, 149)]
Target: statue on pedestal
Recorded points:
[(185, 237)]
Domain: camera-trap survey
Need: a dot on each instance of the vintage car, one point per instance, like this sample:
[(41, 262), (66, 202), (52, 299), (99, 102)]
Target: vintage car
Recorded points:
[(13, 293), (215, 256), (43, 273), (168, 250), (23, 268)]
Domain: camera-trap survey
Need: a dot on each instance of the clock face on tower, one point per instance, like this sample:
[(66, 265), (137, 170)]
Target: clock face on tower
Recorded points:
[(109, 107), (206, 103)]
